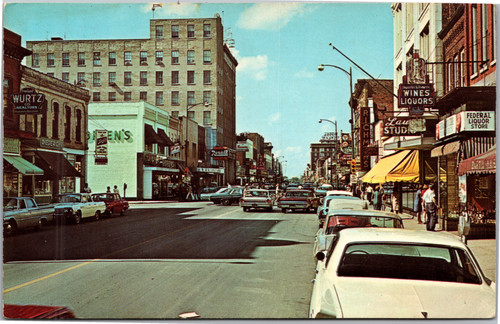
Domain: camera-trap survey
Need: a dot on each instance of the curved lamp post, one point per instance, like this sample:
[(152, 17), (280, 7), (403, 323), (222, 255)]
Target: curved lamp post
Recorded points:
[(334, 145)]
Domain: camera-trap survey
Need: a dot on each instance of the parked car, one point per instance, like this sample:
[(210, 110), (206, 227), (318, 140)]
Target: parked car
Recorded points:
[(76, 206), (341, 202), (114, 202), (37, 312), (23, 212), (404, 274), (298, 199), (257, 198), (227, 197), (338, 220), (338, 193), (207, 192)]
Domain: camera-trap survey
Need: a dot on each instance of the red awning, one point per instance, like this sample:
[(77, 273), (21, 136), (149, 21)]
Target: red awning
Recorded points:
[(480, 164)]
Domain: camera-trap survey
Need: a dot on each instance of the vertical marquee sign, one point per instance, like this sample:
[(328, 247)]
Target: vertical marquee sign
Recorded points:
[(101, 147), (364, 138)]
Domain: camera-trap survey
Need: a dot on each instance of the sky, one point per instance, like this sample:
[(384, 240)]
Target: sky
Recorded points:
[(278, 45)]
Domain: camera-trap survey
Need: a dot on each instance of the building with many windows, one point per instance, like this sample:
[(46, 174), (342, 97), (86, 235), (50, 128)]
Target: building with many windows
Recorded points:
[(184, 67)]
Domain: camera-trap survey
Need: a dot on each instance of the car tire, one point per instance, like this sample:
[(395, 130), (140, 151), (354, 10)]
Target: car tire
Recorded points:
[(122, 212), (97, 215), (78, 218), (226, 202), (10, 228), (283, 210), (245, 209)]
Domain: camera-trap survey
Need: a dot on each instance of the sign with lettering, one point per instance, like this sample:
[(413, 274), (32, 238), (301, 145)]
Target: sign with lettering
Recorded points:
[(416, 97), (475, 121), (175, 149), (242, 146), (28, 101), (50, 143), (222, 153), (364, 137), (328, 137), (11, 145), (397, 126)]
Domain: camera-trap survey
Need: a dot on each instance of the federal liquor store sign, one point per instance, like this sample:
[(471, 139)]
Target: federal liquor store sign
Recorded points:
[(28, 101)]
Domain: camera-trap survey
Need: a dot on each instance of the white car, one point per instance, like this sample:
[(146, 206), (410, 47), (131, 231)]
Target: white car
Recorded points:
[(257, 198), (338, 193), (76, 206), (404, 274)]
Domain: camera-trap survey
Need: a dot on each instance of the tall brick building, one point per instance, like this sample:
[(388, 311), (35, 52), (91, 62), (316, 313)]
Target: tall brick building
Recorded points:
[(182, 65)]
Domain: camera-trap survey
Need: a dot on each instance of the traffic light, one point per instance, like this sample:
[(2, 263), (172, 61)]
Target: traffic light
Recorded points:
[(353, 166), (186, 172)]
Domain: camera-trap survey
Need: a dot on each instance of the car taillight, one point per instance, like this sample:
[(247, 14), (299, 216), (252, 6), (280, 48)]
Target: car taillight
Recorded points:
[(241, 200), (268, 201)]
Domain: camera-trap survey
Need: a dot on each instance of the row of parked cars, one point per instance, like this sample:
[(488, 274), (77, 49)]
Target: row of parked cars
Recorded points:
[(23, 212), (369, 266)]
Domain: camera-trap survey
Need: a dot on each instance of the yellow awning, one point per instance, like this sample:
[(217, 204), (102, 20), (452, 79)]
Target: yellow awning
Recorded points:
[(379, 172), (407, 170)]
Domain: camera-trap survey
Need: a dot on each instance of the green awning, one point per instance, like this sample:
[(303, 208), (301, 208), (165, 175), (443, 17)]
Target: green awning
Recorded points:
[(24, 166)]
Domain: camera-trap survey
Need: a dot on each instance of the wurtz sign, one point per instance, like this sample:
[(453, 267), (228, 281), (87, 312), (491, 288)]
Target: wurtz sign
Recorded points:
[(28, 101)]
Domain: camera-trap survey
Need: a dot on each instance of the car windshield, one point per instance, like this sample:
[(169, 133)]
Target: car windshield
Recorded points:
[(223, 190), (256, 193), (71, 198), (407, 261), (339, 222)]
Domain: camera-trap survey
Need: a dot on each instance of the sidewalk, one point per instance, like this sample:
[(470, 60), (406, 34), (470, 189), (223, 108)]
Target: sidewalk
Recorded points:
[(485, 250)]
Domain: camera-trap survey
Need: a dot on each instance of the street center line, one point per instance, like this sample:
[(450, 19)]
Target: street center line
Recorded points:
[(47, 276)]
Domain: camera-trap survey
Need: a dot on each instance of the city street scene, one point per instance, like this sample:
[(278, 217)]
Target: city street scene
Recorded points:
[(270, 160)]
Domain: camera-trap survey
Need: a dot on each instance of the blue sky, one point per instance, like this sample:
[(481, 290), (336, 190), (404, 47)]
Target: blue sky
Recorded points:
[(280, 92)]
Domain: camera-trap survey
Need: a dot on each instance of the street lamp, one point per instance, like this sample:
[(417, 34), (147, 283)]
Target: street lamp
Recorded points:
[(186, 146), (335, 147), (321, 67)]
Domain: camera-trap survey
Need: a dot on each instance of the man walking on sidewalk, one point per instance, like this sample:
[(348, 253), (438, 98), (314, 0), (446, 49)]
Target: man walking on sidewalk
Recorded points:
[(429, 199)]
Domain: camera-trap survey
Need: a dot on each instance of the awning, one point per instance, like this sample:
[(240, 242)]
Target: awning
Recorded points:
[(400, 166), (24, 166), (55, 164), (166, 140), (446, 149), (150, 135), (480, 164)]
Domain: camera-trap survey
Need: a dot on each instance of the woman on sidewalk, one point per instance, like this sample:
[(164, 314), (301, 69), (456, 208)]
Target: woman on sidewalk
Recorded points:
[(417, 204)]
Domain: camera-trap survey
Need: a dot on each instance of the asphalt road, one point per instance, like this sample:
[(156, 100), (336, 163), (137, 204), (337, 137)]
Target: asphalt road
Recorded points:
[(161, 260)]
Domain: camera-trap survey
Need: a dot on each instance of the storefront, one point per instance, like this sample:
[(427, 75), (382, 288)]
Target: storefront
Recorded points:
[(129, 147), (477, 195)]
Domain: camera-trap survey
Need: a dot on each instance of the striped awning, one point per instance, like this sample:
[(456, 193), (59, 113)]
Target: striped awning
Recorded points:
[(484, 163), (477, 145)]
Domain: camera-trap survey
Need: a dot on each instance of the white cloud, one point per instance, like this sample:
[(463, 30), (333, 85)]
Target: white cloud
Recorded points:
[(269, 16), (304, 74), (293, 149), (256, 66), (173, 9), (274, 117)]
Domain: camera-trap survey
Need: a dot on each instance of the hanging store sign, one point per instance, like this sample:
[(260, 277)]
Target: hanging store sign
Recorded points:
[(28, 101), (101, 147), (415, 92), (222, 153), (364, 137), (242, 147), (11, 145), (396, 126), (175, 149), (466, 121)]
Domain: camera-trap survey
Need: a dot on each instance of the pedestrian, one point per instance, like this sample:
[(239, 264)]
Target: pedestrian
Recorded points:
[(87, 188), (424, 214), (115, 189), (417, 204), (430, 208), (376, 198), (228, 185), (108, 190), (395, 200), (189, 192), (369, 194)]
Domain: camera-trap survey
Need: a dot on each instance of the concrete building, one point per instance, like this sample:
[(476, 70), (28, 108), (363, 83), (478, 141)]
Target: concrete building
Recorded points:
[(183, 67)]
